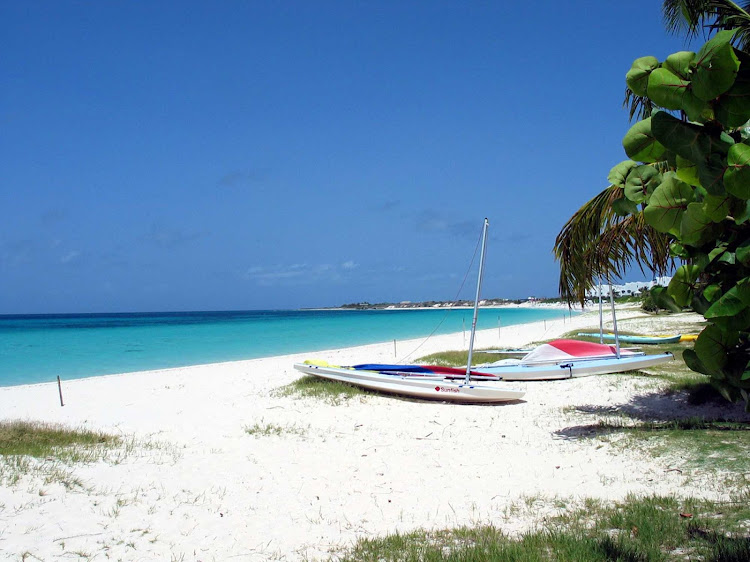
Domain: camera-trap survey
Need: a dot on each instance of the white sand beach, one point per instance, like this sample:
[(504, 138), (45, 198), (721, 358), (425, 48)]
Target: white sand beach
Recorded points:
[(193, 484)]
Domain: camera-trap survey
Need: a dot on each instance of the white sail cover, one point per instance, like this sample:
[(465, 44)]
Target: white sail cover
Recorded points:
[(558, 351)]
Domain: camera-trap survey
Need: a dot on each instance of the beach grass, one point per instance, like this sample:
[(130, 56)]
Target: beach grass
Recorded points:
[(329, 391), (45, 440), (456, 358), (692, 443), (636, 529), (265, 429), (48, 450)]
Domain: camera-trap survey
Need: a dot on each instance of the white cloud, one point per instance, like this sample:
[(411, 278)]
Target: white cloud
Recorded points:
[(70, 256), (297, 274)]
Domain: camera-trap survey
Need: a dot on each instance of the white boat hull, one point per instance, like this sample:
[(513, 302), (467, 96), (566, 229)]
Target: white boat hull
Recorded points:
[(415, 387), (575, 368)]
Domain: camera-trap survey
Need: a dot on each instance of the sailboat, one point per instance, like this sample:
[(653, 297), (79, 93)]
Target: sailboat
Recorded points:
[(557, 359), (436, 383), (564, 359)]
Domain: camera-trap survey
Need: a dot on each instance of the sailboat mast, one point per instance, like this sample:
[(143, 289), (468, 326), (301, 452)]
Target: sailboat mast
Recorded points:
[(476, 300), (601, 314), (614, 320)]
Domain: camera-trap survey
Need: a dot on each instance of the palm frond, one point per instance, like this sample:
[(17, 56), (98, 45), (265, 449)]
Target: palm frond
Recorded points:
[(684, 16), (596, 242), (638, 106), (693, 16)]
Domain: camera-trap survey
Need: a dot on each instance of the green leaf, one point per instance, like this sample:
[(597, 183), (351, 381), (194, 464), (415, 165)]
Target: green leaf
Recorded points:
[(680, 64), (711, 173), (619, 173), (640, 144), (671, 92), (637, 76), (738, 323), (741, 211), (737, 175), (713, 345), (687, 171), (717, 208), (678, 251), (712, 292), (682, 285), (688, 140), (732, 109), (624, 207), (693, 363), (641, 182), (716, 67), (718, 251), (667, 204), (743, 253), (732, 302), (695, 226), (663, 300)]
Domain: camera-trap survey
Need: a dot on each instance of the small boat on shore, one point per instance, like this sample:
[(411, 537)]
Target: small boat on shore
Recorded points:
[(564, 359), (415, 385), (674, 338)]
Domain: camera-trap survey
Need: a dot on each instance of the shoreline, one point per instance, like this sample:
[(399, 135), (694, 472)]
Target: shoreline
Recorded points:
[(195, 482), (69, 355)]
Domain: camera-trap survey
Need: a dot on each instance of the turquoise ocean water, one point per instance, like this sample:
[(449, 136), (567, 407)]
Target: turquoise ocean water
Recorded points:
[(38, 348)]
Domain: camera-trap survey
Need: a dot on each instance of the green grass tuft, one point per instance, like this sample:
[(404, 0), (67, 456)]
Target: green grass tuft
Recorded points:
[(332, 392), (635, 530), (268, 429), (42, 440)]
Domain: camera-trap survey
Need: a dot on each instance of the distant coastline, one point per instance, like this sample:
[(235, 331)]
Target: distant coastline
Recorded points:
[(484, 303)]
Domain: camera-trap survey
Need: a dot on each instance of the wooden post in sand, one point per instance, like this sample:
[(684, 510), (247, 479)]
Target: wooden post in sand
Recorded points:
[(395, 353), (59, 389)]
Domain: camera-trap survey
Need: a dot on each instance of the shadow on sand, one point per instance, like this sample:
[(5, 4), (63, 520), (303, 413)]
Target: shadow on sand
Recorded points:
[(655, 408)]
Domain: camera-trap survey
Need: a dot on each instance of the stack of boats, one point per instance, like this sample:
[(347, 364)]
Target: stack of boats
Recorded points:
[(559, 359)]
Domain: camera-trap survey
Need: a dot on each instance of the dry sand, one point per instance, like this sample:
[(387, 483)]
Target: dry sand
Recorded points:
[(193, 484)]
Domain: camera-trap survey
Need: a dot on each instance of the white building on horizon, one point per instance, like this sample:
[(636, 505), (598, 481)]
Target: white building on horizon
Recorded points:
[(628, 289)]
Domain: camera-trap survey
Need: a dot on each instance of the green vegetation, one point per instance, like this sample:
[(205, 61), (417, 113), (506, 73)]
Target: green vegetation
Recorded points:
[(714, 445), (332, 392), (263, 429), (42, 440), (684, 193), (47, 450), (456, 358), (638, 529), (692, 185)]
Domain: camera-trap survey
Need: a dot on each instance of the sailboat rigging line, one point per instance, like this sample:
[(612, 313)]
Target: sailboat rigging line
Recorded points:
[(453, 302)]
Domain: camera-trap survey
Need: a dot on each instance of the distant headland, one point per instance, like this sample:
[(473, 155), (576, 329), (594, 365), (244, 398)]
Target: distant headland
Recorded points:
[(447, 304)]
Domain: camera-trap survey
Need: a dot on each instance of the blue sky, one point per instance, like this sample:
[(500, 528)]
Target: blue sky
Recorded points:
[(249, 155)]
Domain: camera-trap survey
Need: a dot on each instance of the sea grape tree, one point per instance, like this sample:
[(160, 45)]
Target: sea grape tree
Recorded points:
[(688, 176)]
